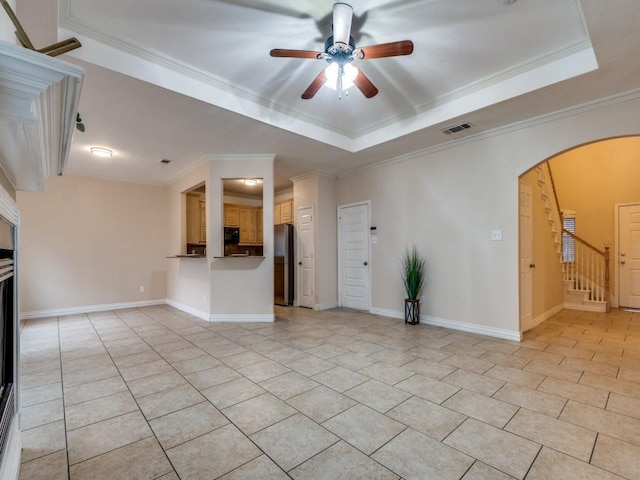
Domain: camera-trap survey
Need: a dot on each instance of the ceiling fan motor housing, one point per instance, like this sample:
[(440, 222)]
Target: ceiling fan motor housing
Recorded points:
[(339, 53)]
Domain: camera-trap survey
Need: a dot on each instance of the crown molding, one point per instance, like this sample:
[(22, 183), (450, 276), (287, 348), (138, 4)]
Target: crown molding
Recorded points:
[(39, 98), (313, 174), (513, 127)]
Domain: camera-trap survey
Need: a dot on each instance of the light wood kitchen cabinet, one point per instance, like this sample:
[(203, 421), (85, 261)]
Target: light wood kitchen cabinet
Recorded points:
[(247, 217), (196, 219), (231, 215), (283, 212), (259, 227)]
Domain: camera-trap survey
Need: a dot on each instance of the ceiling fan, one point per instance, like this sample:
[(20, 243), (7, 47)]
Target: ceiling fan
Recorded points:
[(340, 52)]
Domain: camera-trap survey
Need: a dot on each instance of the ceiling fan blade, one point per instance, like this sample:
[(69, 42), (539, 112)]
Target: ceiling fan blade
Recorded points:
[(316, 85), (363, 83), (281, 52), (342, 16), (393, 49)]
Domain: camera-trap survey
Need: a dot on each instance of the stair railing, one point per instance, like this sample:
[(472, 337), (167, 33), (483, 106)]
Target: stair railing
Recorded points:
[(588, 270)]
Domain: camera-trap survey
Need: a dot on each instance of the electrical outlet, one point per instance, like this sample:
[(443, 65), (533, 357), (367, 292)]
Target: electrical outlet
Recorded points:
[(141, 288), (205, 298), (422, 299), (496, 235)]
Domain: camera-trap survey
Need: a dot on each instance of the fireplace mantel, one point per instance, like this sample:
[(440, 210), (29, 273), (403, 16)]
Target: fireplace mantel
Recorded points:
[(39, 98)]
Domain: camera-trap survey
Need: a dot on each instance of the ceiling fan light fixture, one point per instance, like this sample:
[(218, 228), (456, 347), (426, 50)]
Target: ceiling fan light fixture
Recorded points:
[(250, 181), (348, 77), (101, 152)]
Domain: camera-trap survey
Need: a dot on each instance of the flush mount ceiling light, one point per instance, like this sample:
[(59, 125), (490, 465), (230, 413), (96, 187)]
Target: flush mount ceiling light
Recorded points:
[(250, 181), (101, 152)]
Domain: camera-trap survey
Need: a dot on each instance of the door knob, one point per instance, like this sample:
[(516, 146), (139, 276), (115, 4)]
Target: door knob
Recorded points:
[(366, 263), (622, 262), (622, 254), (532, 265), (299, 263)]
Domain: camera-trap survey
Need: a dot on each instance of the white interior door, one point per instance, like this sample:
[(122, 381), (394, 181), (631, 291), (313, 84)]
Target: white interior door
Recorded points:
[(353, 255), (526, 256), (629, 255), (305, 256)]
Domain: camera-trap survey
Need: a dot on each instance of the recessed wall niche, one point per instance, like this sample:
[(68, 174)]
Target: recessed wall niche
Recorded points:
[(243, 217), (196, 220)]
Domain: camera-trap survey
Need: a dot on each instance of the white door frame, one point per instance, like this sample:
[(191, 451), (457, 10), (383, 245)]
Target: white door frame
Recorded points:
[(615, 297), (297, 276), (368, 227)]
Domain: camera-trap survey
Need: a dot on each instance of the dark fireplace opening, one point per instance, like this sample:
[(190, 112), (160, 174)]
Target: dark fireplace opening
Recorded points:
[(7, 332)]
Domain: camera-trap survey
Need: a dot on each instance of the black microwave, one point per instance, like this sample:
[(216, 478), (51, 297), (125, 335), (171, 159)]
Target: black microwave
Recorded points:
[(231, 235)]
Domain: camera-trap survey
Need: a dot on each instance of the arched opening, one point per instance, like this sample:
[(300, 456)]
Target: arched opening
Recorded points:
[(593, 190)]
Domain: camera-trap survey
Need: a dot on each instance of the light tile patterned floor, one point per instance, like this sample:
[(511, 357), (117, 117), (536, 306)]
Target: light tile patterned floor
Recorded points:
[(153, 393)]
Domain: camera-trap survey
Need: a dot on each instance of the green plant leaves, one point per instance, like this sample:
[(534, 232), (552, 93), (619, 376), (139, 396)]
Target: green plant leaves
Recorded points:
[(413, 273)]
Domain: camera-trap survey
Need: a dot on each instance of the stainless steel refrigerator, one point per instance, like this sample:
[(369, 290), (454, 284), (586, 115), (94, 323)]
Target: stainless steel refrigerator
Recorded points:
[(283, 264)]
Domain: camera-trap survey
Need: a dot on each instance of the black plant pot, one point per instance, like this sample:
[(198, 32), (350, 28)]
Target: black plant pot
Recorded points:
[(412, 311)]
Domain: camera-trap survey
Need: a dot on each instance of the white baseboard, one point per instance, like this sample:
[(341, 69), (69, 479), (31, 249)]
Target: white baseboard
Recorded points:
[(546, 315), (387, 313), (325, 306), (455, 325), (10, 467), (584, 308), (191, 311), (513, 335), (250, 317), (58, 312), (225, 317)]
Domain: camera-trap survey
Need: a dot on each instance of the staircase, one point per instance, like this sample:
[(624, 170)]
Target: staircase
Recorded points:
[(585, 268)]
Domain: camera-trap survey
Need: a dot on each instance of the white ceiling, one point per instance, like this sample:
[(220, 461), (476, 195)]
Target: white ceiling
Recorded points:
[(181, 80)]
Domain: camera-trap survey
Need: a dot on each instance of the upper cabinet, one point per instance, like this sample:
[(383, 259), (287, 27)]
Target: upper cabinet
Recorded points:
[(231, 215), (39, 98), (196, 218), (283, 212)]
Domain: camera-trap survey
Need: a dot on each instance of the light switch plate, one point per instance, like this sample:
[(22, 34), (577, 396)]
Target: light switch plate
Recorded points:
[(374, 240), (496, 234)]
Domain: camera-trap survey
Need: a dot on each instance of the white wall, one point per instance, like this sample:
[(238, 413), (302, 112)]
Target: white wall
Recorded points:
[(241, 289), (87, 241), (188, 279), (6, 27), (447, 202)]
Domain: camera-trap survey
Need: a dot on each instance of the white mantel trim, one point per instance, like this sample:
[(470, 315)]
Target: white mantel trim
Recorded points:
[(39, 98)]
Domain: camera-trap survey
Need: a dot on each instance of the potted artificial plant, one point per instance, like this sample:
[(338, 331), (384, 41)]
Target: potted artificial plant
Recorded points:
[(413, 271)]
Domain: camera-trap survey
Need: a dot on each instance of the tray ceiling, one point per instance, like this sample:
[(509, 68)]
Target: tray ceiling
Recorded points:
[(469, 54)]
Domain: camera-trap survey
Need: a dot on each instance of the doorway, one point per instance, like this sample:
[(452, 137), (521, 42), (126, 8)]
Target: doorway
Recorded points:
[(354, 256), (526, 256), (628, 258), (305, 271)]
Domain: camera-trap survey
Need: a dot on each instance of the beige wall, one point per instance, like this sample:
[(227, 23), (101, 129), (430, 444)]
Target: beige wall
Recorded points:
[(448, 201), (6, 27), (326, 245), (188, 279), (547, 287), (241, 288), (320, 192), (590, 180), (87, 242)]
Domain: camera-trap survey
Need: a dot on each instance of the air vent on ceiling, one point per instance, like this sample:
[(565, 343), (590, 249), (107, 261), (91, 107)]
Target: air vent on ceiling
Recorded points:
[(456, 128), (165, 161)]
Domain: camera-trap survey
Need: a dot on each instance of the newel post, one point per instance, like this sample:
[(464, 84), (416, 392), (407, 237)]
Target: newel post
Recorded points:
[(606, 278)]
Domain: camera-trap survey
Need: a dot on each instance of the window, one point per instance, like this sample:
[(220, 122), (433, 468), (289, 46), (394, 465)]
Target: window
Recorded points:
[(568, 242)]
